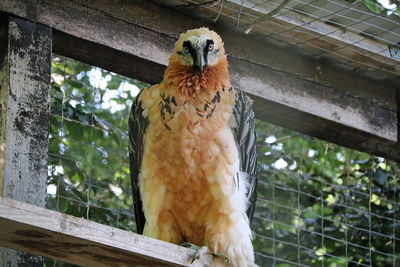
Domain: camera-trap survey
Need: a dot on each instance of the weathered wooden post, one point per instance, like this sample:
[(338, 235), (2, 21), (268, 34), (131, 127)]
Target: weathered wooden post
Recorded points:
[(25, 61)]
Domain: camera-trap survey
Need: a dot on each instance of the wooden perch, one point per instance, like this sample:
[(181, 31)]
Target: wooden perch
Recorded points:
[(75, 240)]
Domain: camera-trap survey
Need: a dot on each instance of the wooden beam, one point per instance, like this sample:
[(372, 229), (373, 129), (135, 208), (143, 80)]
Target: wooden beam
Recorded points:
[(107, 57), (132, 37), (86, 243), (3, 80), (319, 110), (24, 99), (25, 102)]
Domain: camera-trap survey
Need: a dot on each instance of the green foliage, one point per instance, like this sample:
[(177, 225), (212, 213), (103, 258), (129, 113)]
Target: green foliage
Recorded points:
[(88, 151), (313, 195), (376, 7), (323, 195)]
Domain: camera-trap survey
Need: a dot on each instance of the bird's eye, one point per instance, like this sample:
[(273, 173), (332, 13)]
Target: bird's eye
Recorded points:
[(210, 47), (185, 49)]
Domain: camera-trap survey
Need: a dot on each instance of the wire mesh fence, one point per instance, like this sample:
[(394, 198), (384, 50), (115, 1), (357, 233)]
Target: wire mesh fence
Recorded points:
[(323, 204), (88, 153), (353, 33), (318, 204)]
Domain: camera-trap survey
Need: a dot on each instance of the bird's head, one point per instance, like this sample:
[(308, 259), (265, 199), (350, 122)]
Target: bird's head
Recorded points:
[(199, 48), (198, 63)]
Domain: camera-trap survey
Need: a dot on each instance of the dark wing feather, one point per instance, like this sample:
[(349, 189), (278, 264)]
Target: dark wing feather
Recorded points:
[(245, 135), (137, 127)]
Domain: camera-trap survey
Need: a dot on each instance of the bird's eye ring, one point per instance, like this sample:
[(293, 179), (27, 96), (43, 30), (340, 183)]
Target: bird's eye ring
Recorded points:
[(185, 49), (210, 47)]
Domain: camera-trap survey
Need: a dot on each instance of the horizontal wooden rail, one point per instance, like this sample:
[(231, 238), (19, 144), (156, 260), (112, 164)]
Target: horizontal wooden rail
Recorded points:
[(75, 240)]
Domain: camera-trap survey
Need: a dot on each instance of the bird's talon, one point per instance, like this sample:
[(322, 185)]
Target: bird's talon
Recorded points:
[(201, 251)]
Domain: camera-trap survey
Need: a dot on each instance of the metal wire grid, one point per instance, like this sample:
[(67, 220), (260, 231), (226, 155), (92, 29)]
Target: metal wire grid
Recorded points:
[(294, 241), (349, 20), (279, 197), (343, 15), (325, 236), (85, 179), (286, 217)]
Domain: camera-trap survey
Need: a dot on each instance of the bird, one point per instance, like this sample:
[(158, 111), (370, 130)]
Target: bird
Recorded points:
[(192, 151)]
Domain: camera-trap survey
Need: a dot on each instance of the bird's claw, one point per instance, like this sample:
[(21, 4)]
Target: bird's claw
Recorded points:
[(201, 251)]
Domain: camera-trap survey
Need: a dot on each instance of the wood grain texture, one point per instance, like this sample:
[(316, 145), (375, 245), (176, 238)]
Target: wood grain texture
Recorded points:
[(25, 94), (86, 243), (24, 89), (3, 92), (366, 111), (136, 38)]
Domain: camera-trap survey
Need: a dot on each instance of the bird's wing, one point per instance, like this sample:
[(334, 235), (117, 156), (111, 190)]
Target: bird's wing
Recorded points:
[(137, 127), (245, 135)]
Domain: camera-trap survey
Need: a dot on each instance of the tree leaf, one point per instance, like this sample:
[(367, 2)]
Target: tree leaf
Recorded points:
[(75, 130)]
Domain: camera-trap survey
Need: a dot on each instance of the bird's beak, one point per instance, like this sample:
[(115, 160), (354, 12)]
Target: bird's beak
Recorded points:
[(200, 61)]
